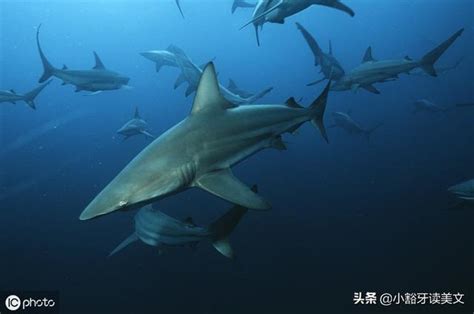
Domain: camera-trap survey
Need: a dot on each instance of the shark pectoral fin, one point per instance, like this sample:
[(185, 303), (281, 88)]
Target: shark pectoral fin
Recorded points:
[(222, 183), (147, 134), (180, 80), (223, 246), (342, 7), (371, 88), (132, 238)]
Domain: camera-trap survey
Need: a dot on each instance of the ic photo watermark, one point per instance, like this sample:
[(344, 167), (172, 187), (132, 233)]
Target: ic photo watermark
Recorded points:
[(29, 302)]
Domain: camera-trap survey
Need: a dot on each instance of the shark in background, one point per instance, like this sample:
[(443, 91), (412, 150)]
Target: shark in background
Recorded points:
[(161, 58), (344, 121), (330, 67), (464, 192), (233, 88), (136, 126), (373, 71), (155, 228), (191, 73), (29, 98), (276, 11), (201, 150), (96, 80), (424, 105)]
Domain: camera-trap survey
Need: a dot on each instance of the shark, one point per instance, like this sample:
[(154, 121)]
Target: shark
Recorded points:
[(200, 151), (242, 4), (135, 126), (344, 121), (427, 106), (155, 228), (191, 73), (330, 66), (161, 58), (373, 71), (464, 192), (276, 11), (29, 98), (233, 88), (96, 80)]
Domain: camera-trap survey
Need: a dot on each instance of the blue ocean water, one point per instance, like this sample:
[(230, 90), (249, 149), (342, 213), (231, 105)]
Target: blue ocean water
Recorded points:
[(352, 215)]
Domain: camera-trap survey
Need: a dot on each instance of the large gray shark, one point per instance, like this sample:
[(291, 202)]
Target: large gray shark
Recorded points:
[(421, 105), (96, 80), (275, 11), (201, 150), (12, 97), (155, 228), (135, 126), (161, 58), (242, 4), (344, 121), (372, 71), (464, 192), (330, 67), (191, 73)]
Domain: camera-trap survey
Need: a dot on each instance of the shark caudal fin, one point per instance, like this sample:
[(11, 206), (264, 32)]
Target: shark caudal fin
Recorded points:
[(223, 227), (48, 69), (317, 109), (428, 61), (132, 238), (241, 4), (312, 43), (29, 97)]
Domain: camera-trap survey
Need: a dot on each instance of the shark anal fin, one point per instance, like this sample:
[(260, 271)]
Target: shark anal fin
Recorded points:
[(222, 183)]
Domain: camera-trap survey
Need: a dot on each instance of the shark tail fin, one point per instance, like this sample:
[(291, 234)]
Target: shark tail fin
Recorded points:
[(260, 95), (317, 109), (48, 69), (132, 238), (368, 133), (428, 61), (31, 95), (223, 227)]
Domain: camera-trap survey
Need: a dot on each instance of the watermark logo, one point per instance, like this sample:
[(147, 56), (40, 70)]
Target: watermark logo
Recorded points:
[(12, 302), (30, 302)]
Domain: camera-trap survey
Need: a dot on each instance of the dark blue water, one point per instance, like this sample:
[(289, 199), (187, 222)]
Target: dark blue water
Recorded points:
[(349, 216)]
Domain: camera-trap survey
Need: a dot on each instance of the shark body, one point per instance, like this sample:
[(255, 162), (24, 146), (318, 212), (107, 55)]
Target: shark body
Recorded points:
[(345, 122), (200, 150), (330, 66), (136, 126), (95, 80), (276, 11), (157, 229), (464, 192), (373, 71), (29, 98)]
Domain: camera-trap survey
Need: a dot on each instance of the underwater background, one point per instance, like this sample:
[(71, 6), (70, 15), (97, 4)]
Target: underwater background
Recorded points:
[(352, 215)]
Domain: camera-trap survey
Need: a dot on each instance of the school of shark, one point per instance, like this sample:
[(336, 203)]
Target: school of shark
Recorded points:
[(227, 124)]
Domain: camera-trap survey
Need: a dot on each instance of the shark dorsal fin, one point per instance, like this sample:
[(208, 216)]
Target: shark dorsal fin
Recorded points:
[(208, 95), (291, 102), (368, 55), (137, 113), (232, 84), (98, 63), (13, 91), (64, 67), (330, 48)]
